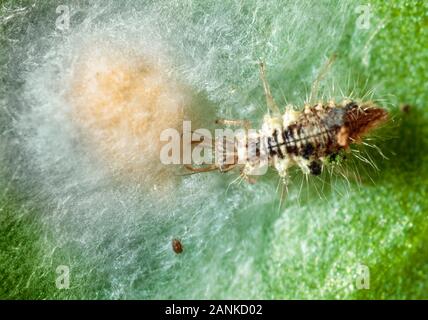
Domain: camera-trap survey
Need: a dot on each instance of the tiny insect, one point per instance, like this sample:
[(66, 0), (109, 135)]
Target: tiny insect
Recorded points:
[(310, 139), (177, 247)]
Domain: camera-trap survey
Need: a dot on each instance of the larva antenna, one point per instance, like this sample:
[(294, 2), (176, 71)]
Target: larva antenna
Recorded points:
[(379, 27), (269, 98)]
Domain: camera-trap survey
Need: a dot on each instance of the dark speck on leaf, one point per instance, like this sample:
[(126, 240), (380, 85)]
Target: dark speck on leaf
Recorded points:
[(405, 108), (177, 246)]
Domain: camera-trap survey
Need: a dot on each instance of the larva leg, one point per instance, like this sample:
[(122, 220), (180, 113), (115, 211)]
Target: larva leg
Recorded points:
[(269, 99), (239, 123), (202, 169), (247, 178), (322, 73), (226, 168)]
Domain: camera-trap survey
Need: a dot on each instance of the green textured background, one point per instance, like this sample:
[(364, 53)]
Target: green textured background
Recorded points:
[(313, 248)]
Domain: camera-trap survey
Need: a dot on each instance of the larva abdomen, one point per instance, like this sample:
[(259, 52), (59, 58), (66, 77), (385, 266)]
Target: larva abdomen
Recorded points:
[(305, 138)]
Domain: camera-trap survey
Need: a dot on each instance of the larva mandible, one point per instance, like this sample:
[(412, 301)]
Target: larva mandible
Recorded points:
[(307, 139)]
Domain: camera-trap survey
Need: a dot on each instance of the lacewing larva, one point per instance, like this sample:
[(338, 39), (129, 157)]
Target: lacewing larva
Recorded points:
[(310, 138)]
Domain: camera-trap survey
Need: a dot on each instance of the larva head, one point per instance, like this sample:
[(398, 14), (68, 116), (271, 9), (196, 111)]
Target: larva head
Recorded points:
[(359, 121)]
